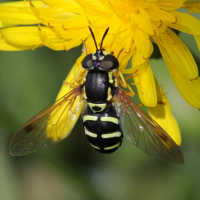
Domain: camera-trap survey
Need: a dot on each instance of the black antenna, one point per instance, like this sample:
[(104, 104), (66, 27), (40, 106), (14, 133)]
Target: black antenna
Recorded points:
[(104, 35), (93, 37)]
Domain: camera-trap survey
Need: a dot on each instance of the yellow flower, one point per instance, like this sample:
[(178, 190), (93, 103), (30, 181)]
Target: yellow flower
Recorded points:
[(134, 26)]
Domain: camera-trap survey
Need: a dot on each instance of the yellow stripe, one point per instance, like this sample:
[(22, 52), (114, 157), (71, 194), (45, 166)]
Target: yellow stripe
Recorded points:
[(100, 105), (110, 119), (84, 79), (110, 77), (112, 147), (94, 57), (94, 146), (94, 135), (109, 95), (116, 83), (111, 135), (101, 58), (89, 117)]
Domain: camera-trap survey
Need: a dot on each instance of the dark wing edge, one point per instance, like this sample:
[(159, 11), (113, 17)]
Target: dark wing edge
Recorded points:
[(49, 126), (146, 134)]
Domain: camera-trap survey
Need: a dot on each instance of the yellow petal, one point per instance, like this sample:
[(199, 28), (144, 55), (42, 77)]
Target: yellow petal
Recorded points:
[(71, 78), (71, 34), (51, 40), (72, 115), (6, 46), (59, 2), (143, 43), (162, 114), (23, 36), (156, 14), (192, 6), (170, 4), (63, 15), (127, 40), (144, 81), (189, 88), (99, 8), (142, 19), (177, 55), (185, 23), (3, 24), (18, 13)]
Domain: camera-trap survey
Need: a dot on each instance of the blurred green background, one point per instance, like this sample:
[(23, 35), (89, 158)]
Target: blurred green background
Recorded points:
[(29, 82)]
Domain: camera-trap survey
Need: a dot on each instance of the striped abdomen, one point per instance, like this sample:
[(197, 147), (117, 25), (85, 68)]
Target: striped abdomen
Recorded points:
[(102, 129)]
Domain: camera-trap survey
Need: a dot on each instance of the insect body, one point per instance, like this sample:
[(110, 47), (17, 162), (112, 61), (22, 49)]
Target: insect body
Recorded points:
[(108, 116), (100, 120)]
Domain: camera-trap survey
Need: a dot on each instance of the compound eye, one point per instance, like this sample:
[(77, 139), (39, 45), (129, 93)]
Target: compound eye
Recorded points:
[(87, 62), (109, 63)]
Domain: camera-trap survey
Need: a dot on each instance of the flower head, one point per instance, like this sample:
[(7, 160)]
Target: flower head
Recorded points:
[(134, 26)]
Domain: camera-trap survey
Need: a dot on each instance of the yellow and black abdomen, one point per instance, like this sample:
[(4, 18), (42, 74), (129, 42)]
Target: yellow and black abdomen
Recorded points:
[(100, 120), (102, 129)]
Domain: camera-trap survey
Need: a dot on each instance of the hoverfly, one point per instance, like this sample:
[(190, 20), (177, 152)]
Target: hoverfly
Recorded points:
[(108, 116)]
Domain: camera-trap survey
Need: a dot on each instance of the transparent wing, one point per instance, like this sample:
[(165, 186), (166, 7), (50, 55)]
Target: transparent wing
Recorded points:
[(145, 133), (48, 127)]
